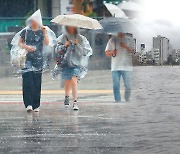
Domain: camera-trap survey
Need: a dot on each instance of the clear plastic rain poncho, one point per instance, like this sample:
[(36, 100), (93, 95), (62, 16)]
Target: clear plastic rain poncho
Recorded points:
[(72, 56), (19, 55)]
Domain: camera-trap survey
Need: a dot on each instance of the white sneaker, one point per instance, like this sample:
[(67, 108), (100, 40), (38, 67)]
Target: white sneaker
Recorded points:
[(75, 106), (36, 110), (29, 108)]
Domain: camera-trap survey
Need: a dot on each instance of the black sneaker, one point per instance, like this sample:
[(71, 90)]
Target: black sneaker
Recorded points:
[(66, 101)]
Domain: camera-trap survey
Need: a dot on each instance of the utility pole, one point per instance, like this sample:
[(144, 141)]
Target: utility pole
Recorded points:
[(35, 5), (59, 6)]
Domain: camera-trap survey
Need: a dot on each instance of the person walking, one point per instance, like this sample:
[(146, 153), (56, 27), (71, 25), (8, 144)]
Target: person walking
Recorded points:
[(33, 39), (73, 52), (120, 49)]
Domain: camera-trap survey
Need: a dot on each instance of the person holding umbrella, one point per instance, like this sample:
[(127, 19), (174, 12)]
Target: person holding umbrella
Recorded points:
[(73, 51), (120, 48)]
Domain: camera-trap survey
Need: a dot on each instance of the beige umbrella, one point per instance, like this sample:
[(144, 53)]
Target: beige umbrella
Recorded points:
[(77, 20)]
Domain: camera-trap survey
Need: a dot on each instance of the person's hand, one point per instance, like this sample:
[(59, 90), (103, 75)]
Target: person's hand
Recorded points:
[(44, 29), (30, 48), (76, 41), (123, 45), (68, 43), (114, 53)]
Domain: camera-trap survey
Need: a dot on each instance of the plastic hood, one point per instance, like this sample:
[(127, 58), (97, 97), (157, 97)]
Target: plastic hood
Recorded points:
[(36, 16)]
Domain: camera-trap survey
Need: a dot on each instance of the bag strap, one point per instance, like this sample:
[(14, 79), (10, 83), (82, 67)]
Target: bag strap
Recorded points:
[(67, 38), (115, 47), (25, 36)]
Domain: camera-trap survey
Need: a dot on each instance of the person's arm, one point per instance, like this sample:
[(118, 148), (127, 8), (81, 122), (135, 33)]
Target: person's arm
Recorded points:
[(110, 53), (23, 45), (84, 47), (62, 43), (46, 39), (129, 46), (123, 45), (110, 50)]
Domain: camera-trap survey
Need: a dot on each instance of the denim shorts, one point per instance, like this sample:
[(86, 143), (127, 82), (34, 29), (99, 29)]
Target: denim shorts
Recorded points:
[(68, 73)]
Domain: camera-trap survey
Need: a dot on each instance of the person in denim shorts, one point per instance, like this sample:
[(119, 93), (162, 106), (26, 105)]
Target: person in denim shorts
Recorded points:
[(74, 51)]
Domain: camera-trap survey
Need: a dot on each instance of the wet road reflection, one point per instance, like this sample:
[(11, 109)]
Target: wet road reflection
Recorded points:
[(148, 124)]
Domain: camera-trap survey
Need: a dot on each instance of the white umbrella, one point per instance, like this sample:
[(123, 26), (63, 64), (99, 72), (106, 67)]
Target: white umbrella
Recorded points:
[(115, 11), (77, 20), (130, 6)]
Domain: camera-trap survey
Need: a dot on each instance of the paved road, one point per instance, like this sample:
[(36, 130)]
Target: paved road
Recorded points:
[(148, 124)]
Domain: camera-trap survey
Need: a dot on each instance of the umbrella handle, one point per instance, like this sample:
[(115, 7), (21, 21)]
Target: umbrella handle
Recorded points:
[(114, 55)]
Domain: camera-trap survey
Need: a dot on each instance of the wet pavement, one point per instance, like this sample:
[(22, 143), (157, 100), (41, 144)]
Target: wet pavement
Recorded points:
[(148, 124)]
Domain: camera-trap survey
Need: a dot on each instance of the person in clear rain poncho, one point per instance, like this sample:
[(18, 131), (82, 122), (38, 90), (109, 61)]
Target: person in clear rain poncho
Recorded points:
[(29, 54), (73, 51)]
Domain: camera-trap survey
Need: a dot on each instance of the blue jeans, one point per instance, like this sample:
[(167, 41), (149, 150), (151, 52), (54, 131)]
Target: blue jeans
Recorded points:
[(116, 76)]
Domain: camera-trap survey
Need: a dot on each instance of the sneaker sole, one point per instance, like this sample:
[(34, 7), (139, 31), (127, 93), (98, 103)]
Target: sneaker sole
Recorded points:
[(29, 110), (66, 106), (75, 109)]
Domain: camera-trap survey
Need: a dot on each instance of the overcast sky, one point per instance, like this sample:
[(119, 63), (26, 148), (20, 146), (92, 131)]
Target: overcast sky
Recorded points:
[(160, 17)]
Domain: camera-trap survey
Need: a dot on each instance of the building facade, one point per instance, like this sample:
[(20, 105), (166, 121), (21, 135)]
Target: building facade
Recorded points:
[(155, 53), (175, 55), (163, 45)]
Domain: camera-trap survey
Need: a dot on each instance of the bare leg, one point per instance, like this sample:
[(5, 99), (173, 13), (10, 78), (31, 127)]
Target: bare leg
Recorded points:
[(74, 87), (67, 87)]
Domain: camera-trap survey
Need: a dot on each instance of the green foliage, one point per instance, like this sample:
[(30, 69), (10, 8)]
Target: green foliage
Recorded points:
[(27, 15), (92, 14)]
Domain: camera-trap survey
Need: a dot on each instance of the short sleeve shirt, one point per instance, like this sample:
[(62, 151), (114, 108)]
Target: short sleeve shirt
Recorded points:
[(123, 60), (34, 39)]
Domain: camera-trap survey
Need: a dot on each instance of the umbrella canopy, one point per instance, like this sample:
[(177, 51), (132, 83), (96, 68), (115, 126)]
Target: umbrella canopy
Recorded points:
[(115, 11), (114, 25), (130, 6), (77, 20)]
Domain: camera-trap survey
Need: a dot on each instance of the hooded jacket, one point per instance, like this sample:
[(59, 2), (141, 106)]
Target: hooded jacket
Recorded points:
[(76, 55)]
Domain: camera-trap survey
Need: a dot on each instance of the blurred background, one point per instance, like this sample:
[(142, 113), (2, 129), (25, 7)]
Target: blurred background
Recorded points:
[(14, 13), (156, 40)]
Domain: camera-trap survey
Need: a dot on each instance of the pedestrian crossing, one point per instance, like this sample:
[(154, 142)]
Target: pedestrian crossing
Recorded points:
[(54, 92), (57, 96)]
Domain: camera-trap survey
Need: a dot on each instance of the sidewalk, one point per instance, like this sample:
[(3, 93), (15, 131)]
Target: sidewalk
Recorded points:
[(94, 80), (97, 85)]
